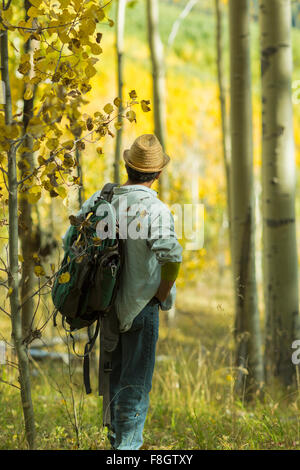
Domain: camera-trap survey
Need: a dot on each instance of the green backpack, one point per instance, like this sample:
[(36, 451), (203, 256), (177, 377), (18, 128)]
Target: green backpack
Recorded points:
[(85, 286)]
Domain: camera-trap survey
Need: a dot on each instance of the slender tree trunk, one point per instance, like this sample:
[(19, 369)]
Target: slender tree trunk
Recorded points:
[(159, 88), (224, 116), (79, 175), (278, 185), (23, 365), (77, 131), (247, 328), (120, 52), (26, 228), (27, 241)]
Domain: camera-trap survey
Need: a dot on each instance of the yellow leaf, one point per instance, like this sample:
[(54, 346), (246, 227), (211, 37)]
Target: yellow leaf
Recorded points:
[(108, 108), (34, 189), (78, 240), (100, 15), (36, 127), (90, 71), (34, 12), (144, 105), (95, 49), (118, 125), (63, 3), (63, 36), (35, 3), (32, 198), (24, 68), (28, 93), (39, 271), (21, 259), (68, 161), (61, 191), (133, 94), (36, 146), (41, 160), (131, 116), (64, 278), (68, 144), (50, 167), (52, 144)]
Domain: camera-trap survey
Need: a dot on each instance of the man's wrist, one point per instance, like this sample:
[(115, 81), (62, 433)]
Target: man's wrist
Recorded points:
[(158, 300)]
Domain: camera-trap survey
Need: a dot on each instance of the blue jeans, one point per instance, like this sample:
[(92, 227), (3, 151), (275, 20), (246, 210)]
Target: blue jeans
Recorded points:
[(131, 379)]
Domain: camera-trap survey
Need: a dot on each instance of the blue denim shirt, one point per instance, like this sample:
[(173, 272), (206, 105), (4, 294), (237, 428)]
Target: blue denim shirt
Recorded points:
[(144, 253)]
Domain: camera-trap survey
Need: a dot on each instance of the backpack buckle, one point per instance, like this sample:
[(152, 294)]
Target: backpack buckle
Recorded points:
[(113, 270), (107, 367)]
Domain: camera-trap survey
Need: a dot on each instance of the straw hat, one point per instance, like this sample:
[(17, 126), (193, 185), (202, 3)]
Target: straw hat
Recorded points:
[(146, 155)]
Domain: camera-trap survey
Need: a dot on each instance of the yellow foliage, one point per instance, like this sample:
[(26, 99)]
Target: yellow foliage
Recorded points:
[(39, 271), (64, 278)]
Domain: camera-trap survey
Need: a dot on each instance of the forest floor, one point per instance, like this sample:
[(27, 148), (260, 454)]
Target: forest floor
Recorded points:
[(192, 404)]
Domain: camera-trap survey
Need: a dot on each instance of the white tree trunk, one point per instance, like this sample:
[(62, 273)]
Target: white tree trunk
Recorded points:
[(278, 186), (23, 365), (159, 87), (120, 53), (247, 328)]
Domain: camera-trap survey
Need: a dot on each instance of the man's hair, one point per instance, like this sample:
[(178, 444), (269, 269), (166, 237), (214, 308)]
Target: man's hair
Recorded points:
[(139, 177)]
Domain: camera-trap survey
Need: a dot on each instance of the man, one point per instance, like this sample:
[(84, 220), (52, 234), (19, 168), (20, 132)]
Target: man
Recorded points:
[(151, 263), (150, 269)]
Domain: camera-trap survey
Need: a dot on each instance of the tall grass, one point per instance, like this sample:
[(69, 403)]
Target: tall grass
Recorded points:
[(192, 402)]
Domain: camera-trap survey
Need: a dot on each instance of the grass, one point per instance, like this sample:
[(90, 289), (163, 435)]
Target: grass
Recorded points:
[(192, 404)]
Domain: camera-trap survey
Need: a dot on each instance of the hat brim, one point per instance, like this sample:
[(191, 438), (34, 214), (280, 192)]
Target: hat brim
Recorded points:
[(126, 156)]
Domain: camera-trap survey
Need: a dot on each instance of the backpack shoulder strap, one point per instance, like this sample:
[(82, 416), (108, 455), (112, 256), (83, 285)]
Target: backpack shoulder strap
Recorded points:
[(108, 191)]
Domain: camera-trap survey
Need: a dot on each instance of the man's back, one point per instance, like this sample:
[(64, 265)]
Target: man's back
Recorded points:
[(147, 226)]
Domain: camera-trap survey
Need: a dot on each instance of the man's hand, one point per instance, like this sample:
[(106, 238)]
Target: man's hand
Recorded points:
[(164, 290)]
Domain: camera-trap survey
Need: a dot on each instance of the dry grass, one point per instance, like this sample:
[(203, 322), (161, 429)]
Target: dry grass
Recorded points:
[(192, 400)]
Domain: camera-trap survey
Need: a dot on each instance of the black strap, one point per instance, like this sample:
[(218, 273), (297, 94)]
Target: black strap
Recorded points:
[(106, 389), (105, 368), (86, 357), (108, 191), (86, 371)]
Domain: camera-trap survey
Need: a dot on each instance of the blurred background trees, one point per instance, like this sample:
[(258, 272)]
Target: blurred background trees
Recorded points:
[(222, 103)]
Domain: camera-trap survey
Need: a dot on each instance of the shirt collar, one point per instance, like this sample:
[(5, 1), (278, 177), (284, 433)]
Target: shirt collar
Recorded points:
[(134, 187)]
